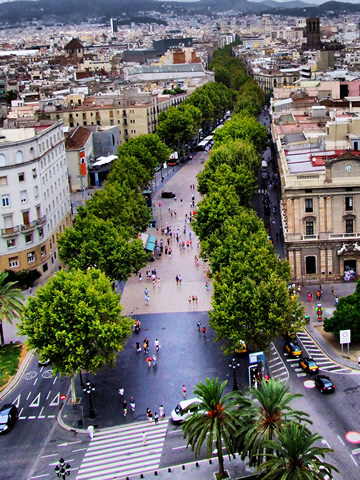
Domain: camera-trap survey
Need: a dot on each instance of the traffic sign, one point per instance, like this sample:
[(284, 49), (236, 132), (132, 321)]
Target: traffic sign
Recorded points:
[(345, 336), (62, 397)]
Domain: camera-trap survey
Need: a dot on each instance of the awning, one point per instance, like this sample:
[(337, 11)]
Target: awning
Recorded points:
[(148, 241)]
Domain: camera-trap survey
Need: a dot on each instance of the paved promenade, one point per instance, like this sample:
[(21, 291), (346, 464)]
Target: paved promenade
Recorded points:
[(170, 297)]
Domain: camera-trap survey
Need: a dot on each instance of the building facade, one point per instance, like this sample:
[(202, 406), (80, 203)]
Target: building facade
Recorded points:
[(35, 199)]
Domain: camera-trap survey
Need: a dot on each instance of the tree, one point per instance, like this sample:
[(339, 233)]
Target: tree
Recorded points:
[(346, 316), (267, 415), (11, 302), (94, 242), (242, 126), (295, 457), (216, 420), (75, 321)]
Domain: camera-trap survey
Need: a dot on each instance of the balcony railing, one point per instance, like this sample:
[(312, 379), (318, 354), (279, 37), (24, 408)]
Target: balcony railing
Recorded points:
[(310, 237), (41, 220), (26, 227), (7, 232), (344, 235)]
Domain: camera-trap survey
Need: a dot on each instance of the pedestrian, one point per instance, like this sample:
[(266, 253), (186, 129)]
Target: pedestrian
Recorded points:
[(310, 297), (170, 252), (158, 282), (132, 404), (189, 299), (207, 286), (138, 348), (147, 413), (184, 391), (149, 361), (162, 411), (157, 345), (177, 279), (144, 438), (147, 299), (146, 291), (180, 279), (140, 277), (156, 418), (125, 407), (154, 359), (150, 416), (204, 331), (196, 299), (175, 211), (153, 283), (90, 430), (193, 187), (166, 249), (185, 229), (121, 392), (30, 291), (336, 301), (333, 292), (190, 235), (198, 326)]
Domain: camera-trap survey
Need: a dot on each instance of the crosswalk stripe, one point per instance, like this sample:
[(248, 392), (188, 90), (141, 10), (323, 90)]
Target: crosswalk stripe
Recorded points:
[(119, 452)]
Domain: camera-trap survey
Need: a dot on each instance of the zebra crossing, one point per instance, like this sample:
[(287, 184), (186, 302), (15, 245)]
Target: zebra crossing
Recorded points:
[(277, 366), (324, 362), (120, 452)]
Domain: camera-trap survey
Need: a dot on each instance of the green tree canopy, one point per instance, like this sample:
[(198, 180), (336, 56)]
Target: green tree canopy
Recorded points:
[(11, 302), (268, 414), (294, 456), (75, 320), (216, 421), (243, 126), (95, 242), (346, 316)]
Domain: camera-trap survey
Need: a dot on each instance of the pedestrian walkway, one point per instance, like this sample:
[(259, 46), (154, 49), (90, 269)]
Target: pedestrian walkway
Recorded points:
[(167, 296), (322, 360), (120, 452)]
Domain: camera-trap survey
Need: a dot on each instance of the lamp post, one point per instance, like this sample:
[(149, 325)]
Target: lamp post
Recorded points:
[(88, 388), (62, 470), (234, 365)]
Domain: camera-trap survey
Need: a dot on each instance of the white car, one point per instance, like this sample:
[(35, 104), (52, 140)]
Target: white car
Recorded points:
[(178, 415)]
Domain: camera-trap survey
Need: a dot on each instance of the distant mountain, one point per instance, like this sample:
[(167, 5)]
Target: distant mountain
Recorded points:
[(70, 11)]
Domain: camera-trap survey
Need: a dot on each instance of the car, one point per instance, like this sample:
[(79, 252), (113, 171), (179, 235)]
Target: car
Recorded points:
[(292, 348), (241, 348), (168, 194), (181, 411), (309, 365), (324, 384), (8, 417)]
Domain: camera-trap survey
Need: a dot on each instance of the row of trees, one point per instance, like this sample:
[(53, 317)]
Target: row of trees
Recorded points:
[(251, 302), (263, 428)]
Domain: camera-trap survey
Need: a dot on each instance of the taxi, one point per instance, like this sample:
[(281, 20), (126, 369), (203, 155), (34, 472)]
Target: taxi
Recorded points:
[(309, 365), (292, 348), (241, 348)]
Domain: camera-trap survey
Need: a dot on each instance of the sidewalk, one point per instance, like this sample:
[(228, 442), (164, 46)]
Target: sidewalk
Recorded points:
[(167, 296)]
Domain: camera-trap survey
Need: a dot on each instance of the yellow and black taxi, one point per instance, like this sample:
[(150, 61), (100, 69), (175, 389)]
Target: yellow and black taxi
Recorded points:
[(324, 384), (309, 365), (241, 348), (292, 348)]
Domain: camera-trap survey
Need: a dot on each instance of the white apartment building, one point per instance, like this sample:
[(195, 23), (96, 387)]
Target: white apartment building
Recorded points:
[(35, 200)]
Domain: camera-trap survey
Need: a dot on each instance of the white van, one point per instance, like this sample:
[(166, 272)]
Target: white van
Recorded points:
[(178, 415)]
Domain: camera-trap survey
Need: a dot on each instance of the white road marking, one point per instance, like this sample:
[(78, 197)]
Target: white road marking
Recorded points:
[(341, 440), (353, 459), (36, 402)]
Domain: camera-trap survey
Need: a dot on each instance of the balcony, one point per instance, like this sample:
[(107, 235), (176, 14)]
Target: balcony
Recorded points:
[(41, 220), (343, 236), (28, 227), (8, 232)]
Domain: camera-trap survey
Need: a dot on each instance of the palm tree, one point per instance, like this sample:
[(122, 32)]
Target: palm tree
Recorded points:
[(295, 457), (265, 418), (216, 420), (11, 302)]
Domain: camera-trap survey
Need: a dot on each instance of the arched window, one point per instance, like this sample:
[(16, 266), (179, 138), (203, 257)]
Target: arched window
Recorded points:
[(32, 153), (2, 160), (19, 156)]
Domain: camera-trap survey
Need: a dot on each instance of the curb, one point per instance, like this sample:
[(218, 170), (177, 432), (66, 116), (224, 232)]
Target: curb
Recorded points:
[(355, 367), (25, 363)]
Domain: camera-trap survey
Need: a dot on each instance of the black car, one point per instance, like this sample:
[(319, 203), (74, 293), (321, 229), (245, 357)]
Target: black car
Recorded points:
[(8, 416), (324, 384), (168, 194), (292, 348)]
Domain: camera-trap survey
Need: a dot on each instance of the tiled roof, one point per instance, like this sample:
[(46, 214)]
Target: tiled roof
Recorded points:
[(73, 44), (77, 138)]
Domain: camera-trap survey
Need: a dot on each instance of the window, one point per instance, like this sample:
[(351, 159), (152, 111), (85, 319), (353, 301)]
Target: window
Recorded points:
[(348, 203), (349, 226), (43, 251), (13, 262), (41, 232), (3, 181), (36, 192), (31, 257), (28, 238), (45, 267), (6, 201), (34, 174), (19, 157), (310, 265), (309, 228), (22, 177), (308, 205), (11, 243), (23, 196)]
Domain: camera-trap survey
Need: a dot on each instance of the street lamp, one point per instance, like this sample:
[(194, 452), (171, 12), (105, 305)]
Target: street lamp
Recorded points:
[(234, 365), (62, 470), (88, 388)]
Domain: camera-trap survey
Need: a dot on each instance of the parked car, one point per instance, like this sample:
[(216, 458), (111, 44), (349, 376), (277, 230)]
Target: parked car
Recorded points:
[(241, 348), (168, 195), (8, 417), (181, 411), (44, 363), (324, 384), (292, 348), (309, 365)]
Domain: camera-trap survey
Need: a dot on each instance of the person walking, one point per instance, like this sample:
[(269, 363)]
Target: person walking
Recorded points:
[(157, 345), (90, 429), (149, 361), (125, 407), (162, 411), (132, 404), (137, 345), (184, 391), (147, 413), (336, 301), (144, 438), (154, 359), (198, 326), (121, 393), (204, 331), (180, 279), (156, 418), (150, 416)]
